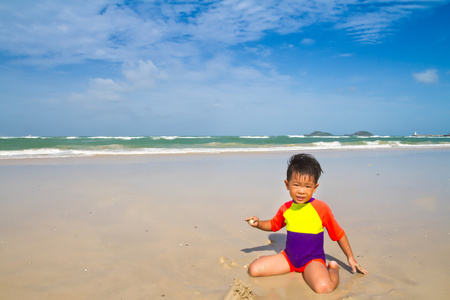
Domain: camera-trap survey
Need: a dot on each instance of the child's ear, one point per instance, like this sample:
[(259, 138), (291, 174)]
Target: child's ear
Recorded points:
[(315, 188), (287, 184)]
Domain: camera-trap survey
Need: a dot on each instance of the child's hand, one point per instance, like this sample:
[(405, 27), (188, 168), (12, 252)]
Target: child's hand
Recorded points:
[(253, 221), (355, 267)]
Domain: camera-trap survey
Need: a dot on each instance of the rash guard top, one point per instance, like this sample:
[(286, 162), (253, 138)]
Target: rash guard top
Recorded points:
[(304, 224)]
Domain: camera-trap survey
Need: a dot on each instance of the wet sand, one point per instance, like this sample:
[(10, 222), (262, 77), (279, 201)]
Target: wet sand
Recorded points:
[(172, 227)]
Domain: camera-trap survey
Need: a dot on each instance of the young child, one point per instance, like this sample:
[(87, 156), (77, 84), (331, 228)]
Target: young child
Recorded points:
[(304, 218)]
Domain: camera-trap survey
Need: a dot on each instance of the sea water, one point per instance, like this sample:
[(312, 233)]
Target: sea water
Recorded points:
[(79, 146)]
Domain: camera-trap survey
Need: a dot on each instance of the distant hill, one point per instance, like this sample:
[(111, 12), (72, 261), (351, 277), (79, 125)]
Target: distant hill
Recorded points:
[(361, 133), (319, 133)]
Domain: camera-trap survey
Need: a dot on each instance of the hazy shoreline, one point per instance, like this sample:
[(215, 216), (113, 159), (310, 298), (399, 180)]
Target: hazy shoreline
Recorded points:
[(224, 153), (62, 147)]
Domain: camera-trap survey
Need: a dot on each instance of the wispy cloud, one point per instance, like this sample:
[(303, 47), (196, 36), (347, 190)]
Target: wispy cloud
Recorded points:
[(42, 32), (370, 21), (427, 76), (139, 76), (216, 83), (307, 42), (142, 74), (206, 59)]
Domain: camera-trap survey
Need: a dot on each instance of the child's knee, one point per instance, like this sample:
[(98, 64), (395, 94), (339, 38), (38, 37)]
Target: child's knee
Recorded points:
[(252, 271), (255, 269), (323, 287)]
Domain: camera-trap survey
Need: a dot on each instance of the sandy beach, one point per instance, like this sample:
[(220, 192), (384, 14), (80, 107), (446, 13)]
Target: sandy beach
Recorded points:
[(172, 226)]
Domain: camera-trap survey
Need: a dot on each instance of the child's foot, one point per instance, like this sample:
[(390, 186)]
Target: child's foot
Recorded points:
[(333, 265)]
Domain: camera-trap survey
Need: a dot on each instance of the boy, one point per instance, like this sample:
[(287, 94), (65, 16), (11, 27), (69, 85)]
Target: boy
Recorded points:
[(304, 218)]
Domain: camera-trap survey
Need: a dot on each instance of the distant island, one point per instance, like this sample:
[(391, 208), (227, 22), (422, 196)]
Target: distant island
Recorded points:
[(360, 133), (321, 133)]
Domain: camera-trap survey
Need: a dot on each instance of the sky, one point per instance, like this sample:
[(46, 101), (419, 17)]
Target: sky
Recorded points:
[(231, 67)]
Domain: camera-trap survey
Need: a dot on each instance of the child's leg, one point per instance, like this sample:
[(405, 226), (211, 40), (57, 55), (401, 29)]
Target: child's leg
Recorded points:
[(320, 278), (269, 265)]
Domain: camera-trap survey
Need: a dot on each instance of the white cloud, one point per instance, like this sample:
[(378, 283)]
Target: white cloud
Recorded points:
[(371, 21), (259, 50), (106, 89), (308, 42), (100, 91), (142, 74), (139, 76), (176, 89), (427, 76), (65, 32)]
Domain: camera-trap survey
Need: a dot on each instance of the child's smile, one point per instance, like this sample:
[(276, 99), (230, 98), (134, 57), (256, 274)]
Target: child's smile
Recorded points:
[(301, 188)]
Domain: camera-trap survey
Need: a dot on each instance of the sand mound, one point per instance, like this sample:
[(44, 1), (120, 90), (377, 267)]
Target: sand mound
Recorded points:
[(239, 290)]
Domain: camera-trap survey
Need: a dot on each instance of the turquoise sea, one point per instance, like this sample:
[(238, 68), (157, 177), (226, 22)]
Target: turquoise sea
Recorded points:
[(80, 146)]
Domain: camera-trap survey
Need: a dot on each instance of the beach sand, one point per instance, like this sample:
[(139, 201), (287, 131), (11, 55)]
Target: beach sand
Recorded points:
[(172, 226)]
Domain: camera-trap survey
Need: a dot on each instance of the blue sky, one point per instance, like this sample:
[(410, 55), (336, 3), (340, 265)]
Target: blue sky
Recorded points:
[(232, 67)]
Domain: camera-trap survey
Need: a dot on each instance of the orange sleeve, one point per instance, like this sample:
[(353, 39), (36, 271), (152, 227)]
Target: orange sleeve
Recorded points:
[(278, 222), (335, 232)]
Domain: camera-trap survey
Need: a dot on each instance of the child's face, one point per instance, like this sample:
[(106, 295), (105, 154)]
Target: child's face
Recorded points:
[(301, 187)]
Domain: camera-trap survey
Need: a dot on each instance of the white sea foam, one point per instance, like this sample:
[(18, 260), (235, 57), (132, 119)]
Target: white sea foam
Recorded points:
[(372, 143), (329, 137), (118, 150), (30, 153), (193, 137), (328, 145), (427, 136), (22, 137), (219, 144), (33, 137), (126, 138), (179, 137)]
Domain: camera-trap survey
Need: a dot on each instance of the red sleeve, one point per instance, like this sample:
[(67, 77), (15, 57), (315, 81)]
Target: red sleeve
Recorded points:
[(335, 232), (278, 222)]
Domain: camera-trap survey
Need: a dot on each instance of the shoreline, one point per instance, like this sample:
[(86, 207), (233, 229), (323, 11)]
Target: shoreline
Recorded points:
[(121, 146), (224, 153)]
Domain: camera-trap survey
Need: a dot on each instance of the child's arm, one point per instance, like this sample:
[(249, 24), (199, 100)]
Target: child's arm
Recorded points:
[(345, 246), (263, 225)]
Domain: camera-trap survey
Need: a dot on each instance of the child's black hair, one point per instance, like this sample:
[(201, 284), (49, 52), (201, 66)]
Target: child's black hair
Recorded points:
[(304, 164)]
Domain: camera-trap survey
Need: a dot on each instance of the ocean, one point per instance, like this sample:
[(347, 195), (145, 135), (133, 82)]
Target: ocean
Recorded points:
[(81, 146)]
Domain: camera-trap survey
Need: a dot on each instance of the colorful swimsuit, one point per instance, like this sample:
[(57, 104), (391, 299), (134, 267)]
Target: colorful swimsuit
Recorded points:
[(304, 224)]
